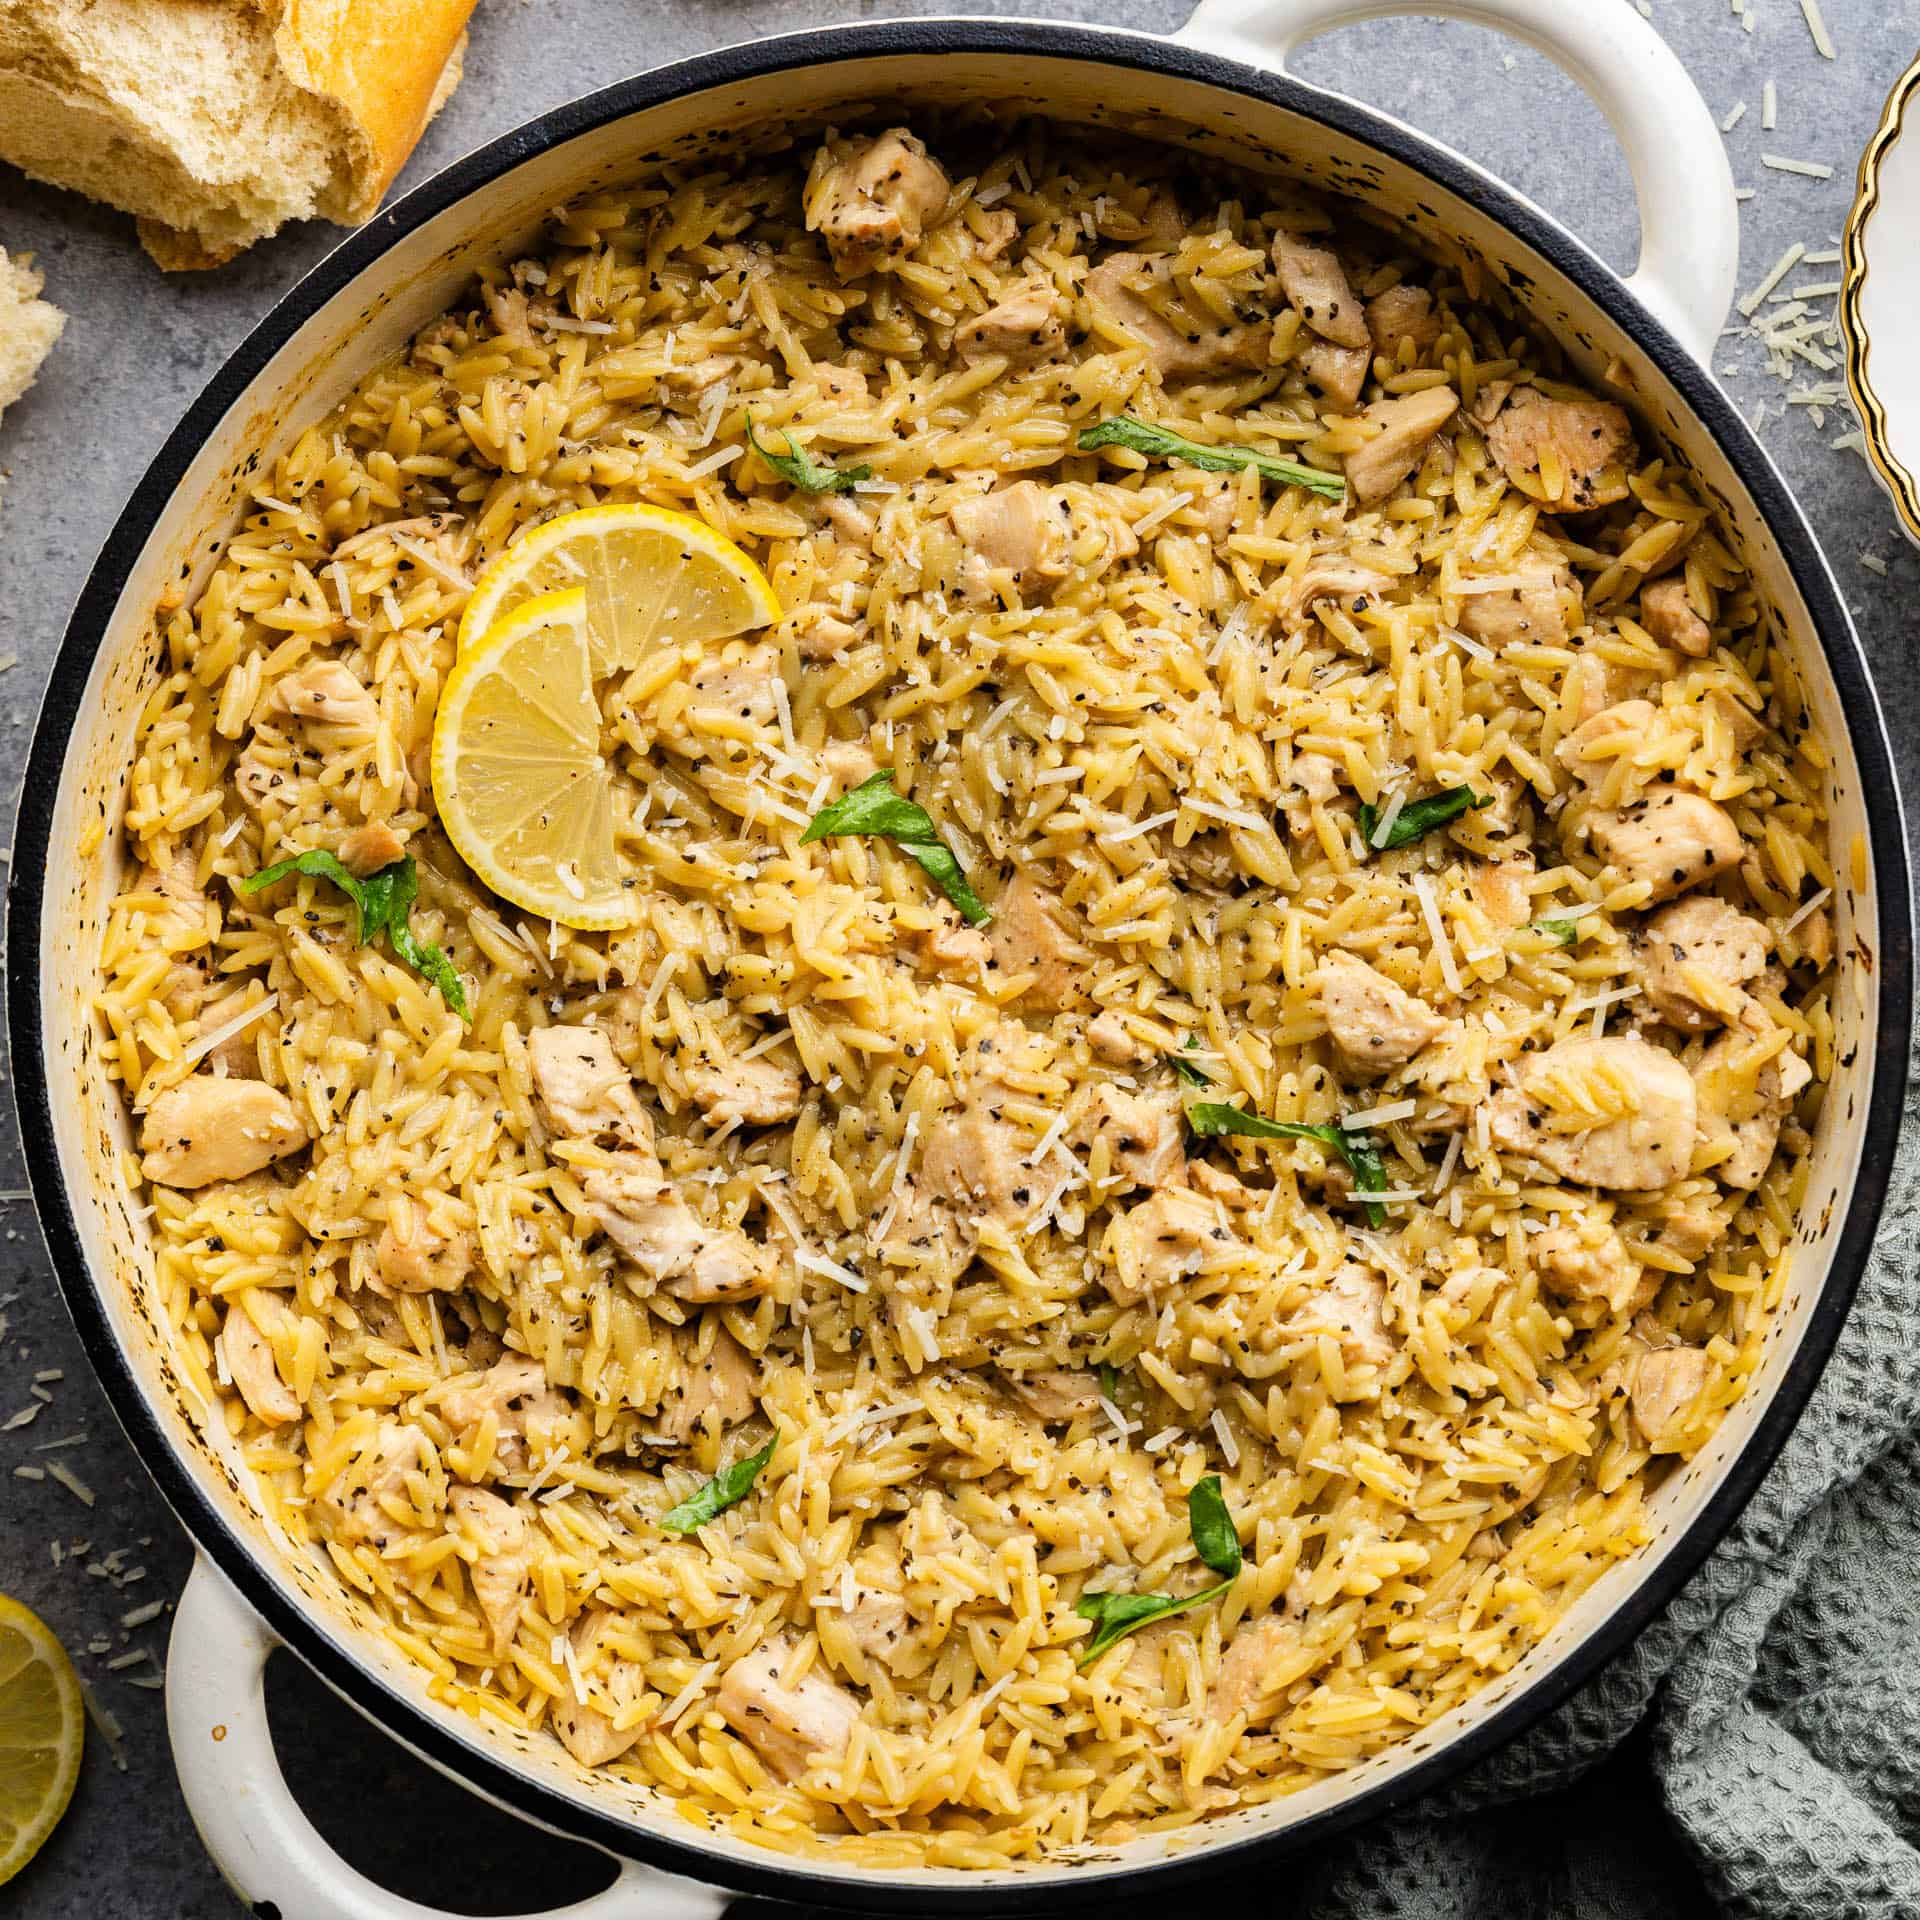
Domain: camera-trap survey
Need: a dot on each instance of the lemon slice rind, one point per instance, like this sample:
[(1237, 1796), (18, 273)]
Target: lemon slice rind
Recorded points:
[(43, 1723)]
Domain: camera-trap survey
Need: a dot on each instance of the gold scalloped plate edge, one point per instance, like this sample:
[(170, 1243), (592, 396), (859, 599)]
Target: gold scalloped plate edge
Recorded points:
[(1900, 482)]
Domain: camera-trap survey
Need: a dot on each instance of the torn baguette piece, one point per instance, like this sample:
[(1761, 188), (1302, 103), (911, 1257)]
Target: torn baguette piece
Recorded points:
[(28, 325), (214, 122)]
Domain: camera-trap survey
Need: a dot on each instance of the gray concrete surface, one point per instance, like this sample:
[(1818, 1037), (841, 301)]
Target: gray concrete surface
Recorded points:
[(136, 350)]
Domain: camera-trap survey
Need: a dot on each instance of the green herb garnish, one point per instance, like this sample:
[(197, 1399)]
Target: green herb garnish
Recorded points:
[(1564, 931), (874, 808), (1210, 1121), (1110, 1382), (381, 904), (1115, 1615), (726, 1489), (1420, 816), (1162, 443), (798, 468), (1185, 1071)]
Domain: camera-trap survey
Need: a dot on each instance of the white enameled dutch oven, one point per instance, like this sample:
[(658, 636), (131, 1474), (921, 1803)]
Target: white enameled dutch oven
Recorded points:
[(1218, 88)]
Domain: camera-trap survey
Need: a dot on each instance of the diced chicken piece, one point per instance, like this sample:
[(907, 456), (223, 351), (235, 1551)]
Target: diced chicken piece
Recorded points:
[(1337, 375), (1741, 1108), (1689, 948), (760, 1092), (1032, 941), (1373, 1021), (1642, 1134), (238, 1054), (717, 1390), (250, 1362), (1112, 1040), (1162, 1240), (1022, 530), (368, 1500), (331, 694), (1666, 1384), (1187, 347), (1316, 284), (1353, 1305), (849, 761), (867, 1620), (1316, 781), (1402, 313), (1666, 611), (838, 383), (502, 1563), (1139, 1138), (1510, 616), (1056, 1394), (955, 949), (1692, 1226), (1488, 398), (586, 1092), (1743, 725), (1815, 934), (367, 849), (998, 229), (1407, 423), (527, 1413), (585, 1729), (1331, 576), (650, 1224), (1672, 840), (1247, 1680), (1024, 328), (209, 1128), (1228, 1189), (854, 524), (876, 201), (1592, 1263), (1503, 890), (1570, 455), (787, 1725), (413, 1258), (1590, 750), (744, 688)]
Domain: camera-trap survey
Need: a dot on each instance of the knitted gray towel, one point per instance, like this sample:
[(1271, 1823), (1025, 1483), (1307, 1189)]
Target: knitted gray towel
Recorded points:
[(1783, 1684)]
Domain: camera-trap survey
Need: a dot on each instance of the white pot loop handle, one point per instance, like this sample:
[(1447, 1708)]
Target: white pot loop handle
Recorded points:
[(269, 1851), (1689, 218)]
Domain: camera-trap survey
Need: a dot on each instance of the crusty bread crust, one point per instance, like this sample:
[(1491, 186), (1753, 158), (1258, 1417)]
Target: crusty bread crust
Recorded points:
[(216, 121)]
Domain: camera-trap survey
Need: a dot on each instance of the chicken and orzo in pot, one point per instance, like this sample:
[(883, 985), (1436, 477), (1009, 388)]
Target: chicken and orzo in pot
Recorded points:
[(973, 985)]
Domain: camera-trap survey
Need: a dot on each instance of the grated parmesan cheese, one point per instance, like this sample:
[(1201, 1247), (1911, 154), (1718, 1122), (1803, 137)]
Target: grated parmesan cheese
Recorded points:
[(1817, 28), (1442, 946), (1229, 1446), (1785, 163)]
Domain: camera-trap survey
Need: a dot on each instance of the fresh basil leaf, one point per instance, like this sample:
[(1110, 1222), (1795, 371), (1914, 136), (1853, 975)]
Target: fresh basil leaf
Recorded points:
[(381, 904), (873, 808), (1110, 1382), (1420, 816), (317, 864), (1115, 1615), (1564, 931), (726, 1489), (1211, 1121), (799, 469), (1162, 443), (1214, 1535), (1185, 1071)]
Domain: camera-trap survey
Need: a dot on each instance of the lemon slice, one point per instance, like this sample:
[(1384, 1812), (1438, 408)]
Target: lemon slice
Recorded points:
[(42, 1724), (648, 575), (522, 789)]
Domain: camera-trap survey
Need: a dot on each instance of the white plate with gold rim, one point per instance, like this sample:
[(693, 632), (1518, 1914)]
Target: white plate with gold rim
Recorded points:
[(1879, 295)]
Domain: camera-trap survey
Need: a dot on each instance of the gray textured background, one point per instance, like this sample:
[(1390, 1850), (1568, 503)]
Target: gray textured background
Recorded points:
[(137, 348)]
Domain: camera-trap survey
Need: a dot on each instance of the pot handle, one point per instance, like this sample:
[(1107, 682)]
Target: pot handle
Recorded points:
[(269, 1852), (1689, 218)]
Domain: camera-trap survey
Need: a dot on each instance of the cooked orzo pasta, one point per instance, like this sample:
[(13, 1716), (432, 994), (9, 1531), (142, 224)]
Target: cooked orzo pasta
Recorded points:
[(1180, 1028)]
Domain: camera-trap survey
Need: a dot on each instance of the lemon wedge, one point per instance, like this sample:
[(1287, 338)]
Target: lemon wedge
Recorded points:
[(648, 575), (518, 777), (42, 1726)]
